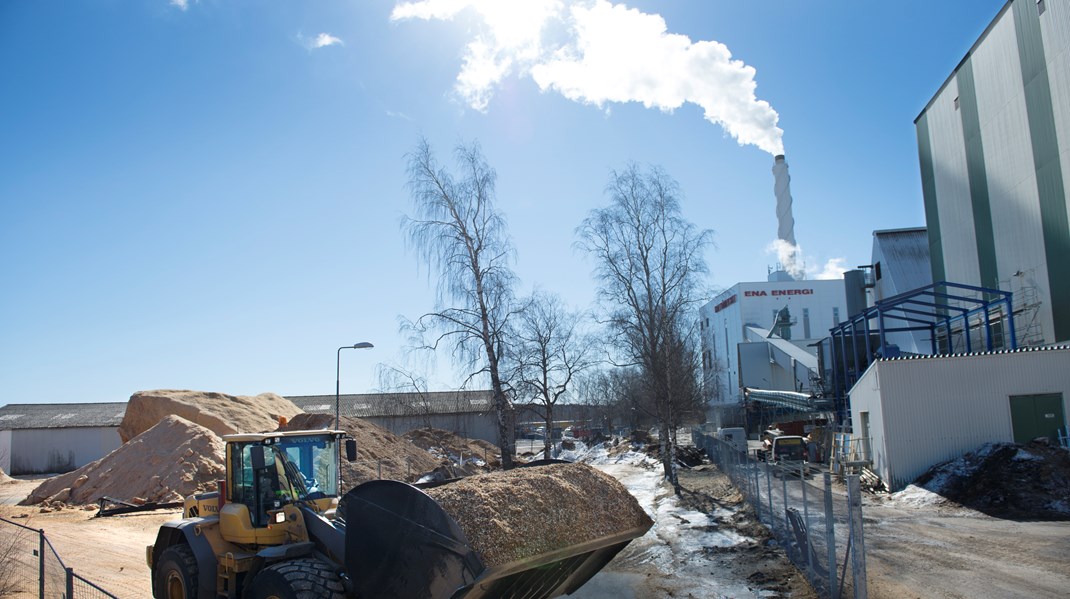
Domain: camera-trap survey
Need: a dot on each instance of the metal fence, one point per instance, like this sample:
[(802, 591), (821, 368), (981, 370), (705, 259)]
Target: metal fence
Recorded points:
[(30, 567), (817, 523)]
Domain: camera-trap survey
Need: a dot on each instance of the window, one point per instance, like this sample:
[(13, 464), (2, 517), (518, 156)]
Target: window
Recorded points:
[(956, 102), (1040, 7), (835, 315), (806, 323)]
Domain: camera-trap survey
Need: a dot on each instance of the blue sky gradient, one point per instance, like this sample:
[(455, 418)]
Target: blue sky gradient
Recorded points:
[(201, 199)]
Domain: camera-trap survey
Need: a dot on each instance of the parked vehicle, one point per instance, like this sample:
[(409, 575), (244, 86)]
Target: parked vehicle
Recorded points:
[(780, 449)]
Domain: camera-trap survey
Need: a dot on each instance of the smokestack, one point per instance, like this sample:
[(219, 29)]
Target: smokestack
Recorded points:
[(790, 268), (782, 189)]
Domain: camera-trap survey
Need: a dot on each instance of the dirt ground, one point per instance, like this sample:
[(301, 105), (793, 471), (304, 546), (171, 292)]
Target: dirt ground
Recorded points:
[(759, 562), (110, 552), (951, 553)]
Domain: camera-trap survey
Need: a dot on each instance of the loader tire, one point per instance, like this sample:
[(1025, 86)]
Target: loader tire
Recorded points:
[(297, 579), (176, 574)]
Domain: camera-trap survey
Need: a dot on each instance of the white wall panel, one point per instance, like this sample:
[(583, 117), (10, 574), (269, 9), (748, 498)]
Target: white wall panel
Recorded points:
[(953, 187), (1055, 30), (1012, 184), (5, 451), (48, 450), (936, 409)]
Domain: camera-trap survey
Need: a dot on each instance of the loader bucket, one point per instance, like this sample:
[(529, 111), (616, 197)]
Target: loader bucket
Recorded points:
[(400, 544)]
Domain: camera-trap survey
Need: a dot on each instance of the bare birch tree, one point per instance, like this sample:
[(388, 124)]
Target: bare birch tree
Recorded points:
[(459, 232), (649, 261), (551, 350)]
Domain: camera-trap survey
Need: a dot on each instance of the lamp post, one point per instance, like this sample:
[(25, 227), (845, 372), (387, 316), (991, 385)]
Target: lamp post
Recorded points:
[(338, 376)]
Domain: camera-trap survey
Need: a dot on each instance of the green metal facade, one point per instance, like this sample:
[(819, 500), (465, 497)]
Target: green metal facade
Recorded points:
[(1039, 133)]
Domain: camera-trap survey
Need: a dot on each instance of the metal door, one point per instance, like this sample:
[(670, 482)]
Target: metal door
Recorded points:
[(1035, 416)]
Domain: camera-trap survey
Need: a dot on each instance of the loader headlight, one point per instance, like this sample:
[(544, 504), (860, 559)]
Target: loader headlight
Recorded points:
[(280, 517)]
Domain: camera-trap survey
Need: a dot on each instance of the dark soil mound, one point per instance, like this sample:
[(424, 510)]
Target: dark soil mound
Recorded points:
[(686, 455), (1007, 480)]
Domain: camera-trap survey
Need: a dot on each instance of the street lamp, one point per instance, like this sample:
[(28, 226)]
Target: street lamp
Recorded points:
[(338, 376)]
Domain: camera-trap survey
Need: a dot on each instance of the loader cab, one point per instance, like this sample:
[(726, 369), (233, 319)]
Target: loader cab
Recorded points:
[(268, 471)]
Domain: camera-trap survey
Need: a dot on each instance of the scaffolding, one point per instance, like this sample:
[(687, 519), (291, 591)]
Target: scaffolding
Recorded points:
[(959, 319)]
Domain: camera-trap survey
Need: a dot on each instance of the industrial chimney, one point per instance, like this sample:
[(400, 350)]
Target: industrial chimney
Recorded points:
[(785, 221)]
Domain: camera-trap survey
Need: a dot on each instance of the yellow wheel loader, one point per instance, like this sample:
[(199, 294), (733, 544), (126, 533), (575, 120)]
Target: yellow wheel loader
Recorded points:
[(278, 529)]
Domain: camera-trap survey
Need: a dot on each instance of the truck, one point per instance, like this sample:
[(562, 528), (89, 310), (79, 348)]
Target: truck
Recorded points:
[(782, 450), (277, 528)]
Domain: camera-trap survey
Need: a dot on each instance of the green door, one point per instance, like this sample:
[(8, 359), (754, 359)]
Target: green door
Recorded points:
[(1035, 416)]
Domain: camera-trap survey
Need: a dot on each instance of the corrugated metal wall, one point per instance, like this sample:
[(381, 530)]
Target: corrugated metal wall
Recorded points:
[(1012, 118), (1056, 31), (5, 451), (49, 450), (1009, 163), (936, 409)]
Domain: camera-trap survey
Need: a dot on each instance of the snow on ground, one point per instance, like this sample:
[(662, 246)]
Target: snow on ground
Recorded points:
[(673, 547)]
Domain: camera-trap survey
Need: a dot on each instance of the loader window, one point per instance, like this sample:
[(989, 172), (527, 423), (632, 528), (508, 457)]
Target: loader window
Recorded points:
[(316, 458)]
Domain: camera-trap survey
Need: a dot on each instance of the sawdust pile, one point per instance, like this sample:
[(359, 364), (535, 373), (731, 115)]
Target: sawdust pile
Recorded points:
[(477, 454), (166, 463), (221, 413), (4, 477), (513, 515), (399, 458), (1006, 480)]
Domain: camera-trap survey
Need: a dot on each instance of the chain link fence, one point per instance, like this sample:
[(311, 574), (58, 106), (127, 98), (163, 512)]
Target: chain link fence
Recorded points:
[(817, 523), (30, 567)]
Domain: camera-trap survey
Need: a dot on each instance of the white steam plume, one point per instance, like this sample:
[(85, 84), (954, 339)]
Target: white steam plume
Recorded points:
[(790, 258), (604, 52)]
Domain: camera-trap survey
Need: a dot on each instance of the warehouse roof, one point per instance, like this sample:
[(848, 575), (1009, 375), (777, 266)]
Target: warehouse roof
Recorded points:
[(1020, 350), (367, 405), (61, 415)]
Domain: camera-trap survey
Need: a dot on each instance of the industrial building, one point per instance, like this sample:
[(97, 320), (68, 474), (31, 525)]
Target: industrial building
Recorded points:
[(759, 335), (994, 151), (913, 412), (48, 438)]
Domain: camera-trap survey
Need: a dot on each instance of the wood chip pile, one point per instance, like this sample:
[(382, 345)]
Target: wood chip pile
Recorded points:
[(221, 413), (4, 477), (452, 446), (166, 463), (400, 459), (514, 515)]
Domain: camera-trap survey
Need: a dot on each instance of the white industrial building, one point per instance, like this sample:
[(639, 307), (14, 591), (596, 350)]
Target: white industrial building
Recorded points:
[(759, 335), (994, 150), (52, 438), (912, 413)]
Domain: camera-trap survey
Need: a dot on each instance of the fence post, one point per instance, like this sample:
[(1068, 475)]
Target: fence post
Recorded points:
[(41, 563), (757, 491), (806, 519), (380, 469), (784, 488), (858, 554), (70, 583), (769, 493), (830, 534)]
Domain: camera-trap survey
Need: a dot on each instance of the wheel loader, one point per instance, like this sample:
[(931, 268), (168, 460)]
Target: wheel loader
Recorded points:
[(277, 528)]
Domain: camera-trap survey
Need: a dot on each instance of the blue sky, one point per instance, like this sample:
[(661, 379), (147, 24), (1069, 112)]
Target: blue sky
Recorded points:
[(208, 196)]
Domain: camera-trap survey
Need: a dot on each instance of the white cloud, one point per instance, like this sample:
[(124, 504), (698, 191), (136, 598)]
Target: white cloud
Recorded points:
[(181, 4), (323, 40), (790, 258), (603, 53), (834, 269)]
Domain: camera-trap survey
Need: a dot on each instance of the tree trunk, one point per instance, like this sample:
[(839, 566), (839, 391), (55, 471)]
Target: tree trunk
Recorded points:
[(667, 446), (548, 441)]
